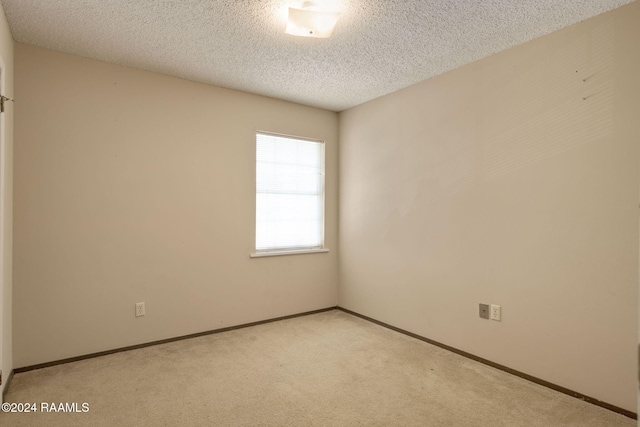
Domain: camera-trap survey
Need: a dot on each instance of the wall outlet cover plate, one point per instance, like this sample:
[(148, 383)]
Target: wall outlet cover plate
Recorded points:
[(496, 312)]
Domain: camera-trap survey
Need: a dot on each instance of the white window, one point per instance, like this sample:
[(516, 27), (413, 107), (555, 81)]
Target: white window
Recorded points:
[(289, 194)]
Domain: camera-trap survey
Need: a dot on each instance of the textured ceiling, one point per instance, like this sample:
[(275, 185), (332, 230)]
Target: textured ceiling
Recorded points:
[(376, 48)]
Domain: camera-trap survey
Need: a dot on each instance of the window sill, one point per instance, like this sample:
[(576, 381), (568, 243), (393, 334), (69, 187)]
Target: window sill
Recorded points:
[(304, 251)]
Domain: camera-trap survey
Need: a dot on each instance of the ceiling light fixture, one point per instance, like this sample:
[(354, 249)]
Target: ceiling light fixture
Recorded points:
[(310, 20)]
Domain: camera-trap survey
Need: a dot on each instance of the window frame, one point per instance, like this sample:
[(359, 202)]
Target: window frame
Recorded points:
[(258, 253)]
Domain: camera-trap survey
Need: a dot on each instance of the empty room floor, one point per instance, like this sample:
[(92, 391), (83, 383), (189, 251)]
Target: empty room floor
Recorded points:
[(324, 369)]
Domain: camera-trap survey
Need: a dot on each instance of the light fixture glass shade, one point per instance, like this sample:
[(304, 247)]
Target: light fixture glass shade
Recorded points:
[(310, 21)]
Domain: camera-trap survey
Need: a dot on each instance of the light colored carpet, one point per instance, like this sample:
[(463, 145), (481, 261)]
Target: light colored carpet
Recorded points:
[(326, 369)]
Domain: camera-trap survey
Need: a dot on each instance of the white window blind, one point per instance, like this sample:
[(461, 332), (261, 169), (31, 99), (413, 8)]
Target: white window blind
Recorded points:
[(289, 193)]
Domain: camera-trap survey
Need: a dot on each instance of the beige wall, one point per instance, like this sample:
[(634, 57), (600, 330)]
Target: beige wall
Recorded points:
[(512, 181), (132, 186), (6, 200)]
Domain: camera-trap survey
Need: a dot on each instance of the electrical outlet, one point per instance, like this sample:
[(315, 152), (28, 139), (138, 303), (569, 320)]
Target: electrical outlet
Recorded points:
[(484, 311), (139, 309), (496, 312)]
